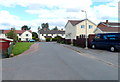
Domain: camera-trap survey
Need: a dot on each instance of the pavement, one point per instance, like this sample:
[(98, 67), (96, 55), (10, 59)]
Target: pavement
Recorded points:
[(53, 61), (98, 54)]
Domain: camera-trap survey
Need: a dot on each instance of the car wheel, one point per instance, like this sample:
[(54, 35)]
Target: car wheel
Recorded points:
[(93, 46), (112, 49)]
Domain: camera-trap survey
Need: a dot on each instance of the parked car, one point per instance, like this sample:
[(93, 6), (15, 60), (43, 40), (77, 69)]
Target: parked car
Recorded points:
[(109, 41), (32, 40)]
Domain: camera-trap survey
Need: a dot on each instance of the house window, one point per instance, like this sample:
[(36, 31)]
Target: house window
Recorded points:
[(44, 34), (26, 34), (26, 39), (20, 39), (90, 26), (82, 26), (19, 34)]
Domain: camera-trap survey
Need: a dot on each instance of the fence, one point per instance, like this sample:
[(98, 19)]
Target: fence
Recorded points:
[(79, 41), (64, 41)]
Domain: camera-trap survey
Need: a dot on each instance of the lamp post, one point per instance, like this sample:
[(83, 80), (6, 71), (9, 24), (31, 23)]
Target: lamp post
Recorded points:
[(86, 46)]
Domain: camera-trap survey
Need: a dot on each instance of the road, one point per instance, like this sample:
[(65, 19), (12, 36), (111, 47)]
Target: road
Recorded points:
[(52, 61)]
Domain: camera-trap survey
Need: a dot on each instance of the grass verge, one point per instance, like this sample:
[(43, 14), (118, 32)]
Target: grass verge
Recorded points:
[(21, 47)]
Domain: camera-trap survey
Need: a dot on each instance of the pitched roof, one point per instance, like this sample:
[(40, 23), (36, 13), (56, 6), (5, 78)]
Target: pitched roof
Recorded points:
[(17, 31), (52, 32), (6, 39), (111, 24), (75, 22), (110, 29)]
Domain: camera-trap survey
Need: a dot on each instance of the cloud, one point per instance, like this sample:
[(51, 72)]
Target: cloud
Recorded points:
[(104, 0), (57, 12), (8, 20)]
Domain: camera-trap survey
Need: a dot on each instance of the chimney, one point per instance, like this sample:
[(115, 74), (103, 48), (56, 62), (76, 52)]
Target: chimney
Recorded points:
[(12, 28), (106, 21)]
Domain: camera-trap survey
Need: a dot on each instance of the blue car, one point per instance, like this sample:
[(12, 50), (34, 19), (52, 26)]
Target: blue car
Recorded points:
[(110, 41), (32, 40)]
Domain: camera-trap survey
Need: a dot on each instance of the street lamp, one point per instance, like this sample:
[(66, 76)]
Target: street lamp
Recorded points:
[(86, 46)]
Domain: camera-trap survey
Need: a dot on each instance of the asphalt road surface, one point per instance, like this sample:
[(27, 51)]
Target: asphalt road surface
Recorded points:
[(52, 61)]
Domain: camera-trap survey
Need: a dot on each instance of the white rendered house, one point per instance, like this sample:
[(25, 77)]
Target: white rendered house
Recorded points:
[(75, 28), (50, 34), (46, 33), (23, 35)]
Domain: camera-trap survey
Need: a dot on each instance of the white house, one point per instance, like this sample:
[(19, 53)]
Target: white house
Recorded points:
[(23, 35), (75, 28), (50, 34), (2, 35), (107, 27), (46, 33)]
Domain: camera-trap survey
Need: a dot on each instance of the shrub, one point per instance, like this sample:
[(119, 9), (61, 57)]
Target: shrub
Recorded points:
[(48, 39), (62, 42), (54, 39)]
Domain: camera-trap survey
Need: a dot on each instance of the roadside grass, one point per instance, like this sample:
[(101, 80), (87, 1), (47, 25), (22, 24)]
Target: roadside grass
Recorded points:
[(21, 47)]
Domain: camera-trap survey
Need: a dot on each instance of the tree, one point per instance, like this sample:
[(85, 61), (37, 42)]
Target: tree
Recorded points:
[(45, 26), (55, 28), (35, 36), (25, 27), (12, 35)]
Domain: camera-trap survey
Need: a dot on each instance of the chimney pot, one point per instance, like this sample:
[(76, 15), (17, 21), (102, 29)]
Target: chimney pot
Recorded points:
[(12, 28), (106, 21)]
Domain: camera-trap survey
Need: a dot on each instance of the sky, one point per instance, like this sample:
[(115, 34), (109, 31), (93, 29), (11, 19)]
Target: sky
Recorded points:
[(16, 13)]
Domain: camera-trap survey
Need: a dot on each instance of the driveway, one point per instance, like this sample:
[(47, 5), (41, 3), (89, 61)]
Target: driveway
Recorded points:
[(52, 61)]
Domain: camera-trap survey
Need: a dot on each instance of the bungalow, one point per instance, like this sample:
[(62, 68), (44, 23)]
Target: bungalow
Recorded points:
[(23, 35), (107, 27), (43, 33), (75, 28)]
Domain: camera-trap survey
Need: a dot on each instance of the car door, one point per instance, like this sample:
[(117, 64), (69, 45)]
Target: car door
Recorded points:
[(101, 42)]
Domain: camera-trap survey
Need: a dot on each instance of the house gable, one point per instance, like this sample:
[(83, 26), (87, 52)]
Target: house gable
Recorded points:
[(73, 28), (70, 31), (82, 31), (97, 30), (26, 35)]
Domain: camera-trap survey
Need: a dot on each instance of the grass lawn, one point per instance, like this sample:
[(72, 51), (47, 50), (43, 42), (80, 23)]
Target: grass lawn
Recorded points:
[(20, 47)]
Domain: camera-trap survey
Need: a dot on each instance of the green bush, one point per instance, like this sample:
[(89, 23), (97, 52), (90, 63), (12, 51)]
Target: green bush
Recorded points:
[(62, 42), (48, 39), (54, 39)]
